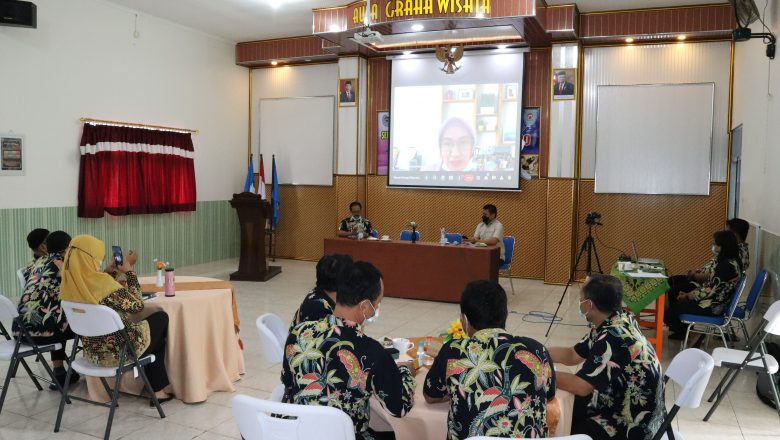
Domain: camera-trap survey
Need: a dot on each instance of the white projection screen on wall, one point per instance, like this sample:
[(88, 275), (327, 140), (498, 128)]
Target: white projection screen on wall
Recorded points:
[(459, 131)]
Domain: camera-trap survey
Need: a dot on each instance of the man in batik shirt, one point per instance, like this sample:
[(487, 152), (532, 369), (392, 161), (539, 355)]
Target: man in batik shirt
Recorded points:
[(355, 224), (319, 303), (498, 384), (619, 389), (332, 362)]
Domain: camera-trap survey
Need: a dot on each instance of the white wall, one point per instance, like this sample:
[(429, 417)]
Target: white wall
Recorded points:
[(658, 64), (756, 107), (83, 60)]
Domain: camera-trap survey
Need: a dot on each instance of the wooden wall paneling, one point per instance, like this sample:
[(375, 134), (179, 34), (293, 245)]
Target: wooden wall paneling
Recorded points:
[(560, 207), (308, 215)]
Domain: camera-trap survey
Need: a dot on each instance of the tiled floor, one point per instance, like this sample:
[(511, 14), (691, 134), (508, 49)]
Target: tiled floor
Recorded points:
[(29, 414)]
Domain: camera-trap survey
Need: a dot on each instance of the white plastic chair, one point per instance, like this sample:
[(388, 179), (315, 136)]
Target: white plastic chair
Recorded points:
[(14, 350), (273, 335), (756, 359), (691, 370), (93, 320), (264, 420), (568, 437), (277, 394), (22, 279)]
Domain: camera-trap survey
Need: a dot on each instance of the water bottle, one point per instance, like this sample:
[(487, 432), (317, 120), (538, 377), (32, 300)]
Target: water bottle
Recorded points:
[(420, 353), (443, 239), (170, 288)]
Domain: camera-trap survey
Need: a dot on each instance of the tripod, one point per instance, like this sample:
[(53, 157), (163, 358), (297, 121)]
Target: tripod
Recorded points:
[(589, 247)]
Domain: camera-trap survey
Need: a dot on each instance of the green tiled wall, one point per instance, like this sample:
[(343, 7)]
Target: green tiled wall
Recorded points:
[(210, 233)]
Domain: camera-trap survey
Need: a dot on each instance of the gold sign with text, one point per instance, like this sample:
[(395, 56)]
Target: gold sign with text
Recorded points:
[(422, 8)]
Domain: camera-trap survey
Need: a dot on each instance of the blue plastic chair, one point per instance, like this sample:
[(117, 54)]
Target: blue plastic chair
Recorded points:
[(454, 238), (711, 324), (743, 311), (506, 268), (406, 235)]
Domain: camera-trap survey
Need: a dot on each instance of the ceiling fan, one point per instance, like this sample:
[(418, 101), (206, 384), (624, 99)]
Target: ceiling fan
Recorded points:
[(449, 55)]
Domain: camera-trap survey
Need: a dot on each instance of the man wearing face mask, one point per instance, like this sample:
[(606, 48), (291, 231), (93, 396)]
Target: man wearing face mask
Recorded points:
[(619, 389), (355, 224), (490, 231), (332, 362), (488, 374)]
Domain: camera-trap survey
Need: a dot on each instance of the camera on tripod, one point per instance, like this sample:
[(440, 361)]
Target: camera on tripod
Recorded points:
[(592, 218)]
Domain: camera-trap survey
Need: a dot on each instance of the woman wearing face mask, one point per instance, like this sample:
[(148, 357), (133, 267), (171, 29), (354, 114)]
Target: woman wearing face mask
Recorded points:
[(82, 282), (711, 297), (332, 362)]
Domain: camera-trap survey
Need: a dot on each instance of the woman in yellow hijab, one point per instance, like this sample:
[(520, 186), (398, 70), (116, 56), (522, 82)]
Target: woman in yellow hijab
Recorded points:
[(82, 282)]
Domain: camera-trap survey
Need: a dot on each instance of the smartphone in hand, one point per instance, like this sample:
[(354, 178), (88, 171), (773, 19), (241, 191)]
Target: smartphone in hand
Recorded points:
[(117, 252)]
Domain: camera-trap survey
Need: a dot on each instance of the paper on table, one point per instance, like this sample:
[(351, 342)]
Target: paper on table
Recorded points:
[(645, 275)]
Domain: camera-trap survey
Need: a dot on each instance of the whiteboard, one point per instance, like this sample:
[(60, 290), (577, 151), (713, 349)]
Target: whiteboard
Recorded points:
[(654, 138), (301, 133)]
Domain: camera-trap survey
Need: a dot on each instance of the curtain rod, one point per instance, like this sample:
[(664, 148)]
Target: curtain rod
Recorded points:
[(134, 124)]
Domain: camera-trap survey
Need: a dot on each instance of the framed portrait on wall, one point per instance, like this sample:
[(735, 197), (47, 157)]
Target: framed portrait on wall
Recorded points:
[(12, 155), (563, 84), (348, 92)]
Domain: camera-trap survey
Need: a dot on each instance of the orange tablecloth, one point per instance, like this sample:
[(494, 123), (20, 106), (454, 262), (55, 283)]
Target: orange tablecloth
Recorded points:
[(202, 354)]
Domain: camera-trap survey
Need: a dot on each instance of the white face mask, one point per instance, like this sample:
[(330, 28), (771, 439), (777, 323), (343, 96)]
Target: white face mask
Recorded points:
[(583, 315), (373, 318)]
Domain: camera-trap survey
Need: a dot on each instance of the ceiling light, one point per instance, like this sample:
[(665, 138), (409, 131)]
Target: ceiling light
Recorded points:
[(681, 37), (273, 63), (307, 59), (334, 28), (629, 40), (502, 46), (407, 52), (480, 15), (417, 27)]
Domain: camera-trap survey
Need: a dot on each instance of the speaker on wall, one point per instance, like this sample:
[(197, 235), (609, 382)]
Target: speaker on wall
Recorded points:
[(18, 13)]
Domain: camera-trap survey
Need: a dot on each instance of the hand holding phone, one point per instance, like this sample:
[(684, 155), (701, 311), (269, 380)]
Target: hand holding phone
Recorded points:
[(117, 253)]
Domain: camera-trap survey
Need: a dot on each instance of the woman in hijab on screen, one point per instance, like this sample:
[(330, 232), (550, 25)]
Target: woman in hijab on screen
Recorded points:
[(82, 282)]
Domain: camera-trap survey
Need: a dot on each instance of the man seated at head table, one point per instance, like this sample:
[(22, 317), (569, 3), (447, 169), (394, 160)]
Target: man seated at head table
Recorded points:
[(619, 391), (319, 303), (332, 362), (498, 384), (355, 224), (704, 274), (490, 231)]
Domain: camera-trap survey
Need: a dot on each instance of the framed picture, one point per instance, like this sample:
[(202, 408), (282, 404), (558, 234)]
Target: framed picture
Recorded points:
[(529, 131), (383, 143), (529, 166), (563, 84), (510, 91), (348, 92), (465, 94), (12, 155)]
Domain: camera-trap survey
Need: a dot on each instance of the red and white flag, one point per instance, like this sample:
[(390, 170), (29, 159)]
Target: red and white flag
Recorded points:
[(261, 183)]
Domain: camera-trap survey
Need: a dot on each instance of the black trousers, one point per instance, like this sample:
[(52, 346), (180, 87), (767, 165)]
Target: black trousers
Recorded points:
[(62, 338), (679, 307), (677, 284), (158, 330), (581, 424)]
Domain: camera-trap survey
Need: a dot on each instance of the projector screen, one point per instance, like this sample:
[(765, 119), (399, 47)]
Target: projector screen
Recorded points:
[(459, 130)]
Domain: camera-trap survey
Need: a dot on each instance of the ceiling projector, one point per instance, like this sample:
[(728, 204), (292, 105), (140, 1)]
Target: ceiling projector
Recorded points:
[(368, 36)]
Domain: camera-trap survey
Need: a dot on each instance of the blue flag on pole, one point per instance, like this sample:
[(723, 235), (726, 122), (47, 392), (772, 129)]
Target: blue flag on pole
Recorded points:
[(249, 183), (274, 194)]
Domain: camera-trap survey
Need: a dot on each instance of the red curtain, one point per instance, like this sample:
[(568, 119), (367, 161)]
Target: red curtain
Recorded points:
[(129, 170)]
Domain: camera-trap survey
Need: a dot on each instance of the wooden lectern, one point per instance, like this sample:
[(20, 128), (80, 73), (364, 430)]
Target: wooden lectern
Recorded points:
[(252, 214)]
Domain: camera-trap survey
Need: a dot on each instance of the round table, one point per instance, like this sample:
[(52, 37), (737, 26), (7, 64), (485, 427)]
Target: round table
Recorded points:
[(202, 352)]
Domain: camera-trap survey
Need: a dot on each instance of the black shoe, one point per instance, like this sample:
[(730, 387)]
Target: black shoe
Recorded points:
[(59, 375), (167, 399)]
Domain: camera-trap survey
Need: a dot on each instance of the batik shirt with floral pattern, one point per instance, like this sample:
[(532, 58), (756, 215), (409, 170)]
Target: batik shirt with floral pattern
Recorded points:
[(317, 305), (716, 293), (628, 389), (331, 362), (105, 350), (39, 307), (356, 225), (498, 384)]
